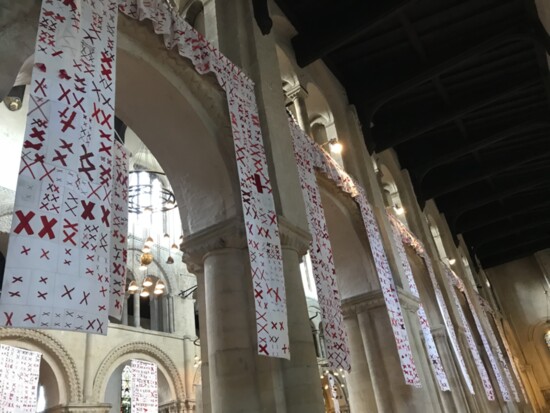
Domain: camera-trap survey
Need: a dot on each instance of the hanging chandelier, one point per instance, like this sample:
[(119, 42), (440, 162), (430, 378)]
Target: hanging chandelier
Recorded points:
[(149, 192)]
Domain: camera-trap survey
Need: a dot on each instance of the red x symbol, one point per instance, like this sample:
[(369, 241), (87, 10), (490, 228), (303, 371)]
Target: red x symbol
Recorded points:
[(90, 324), (59, 157), (64, 94), (24, 222), (45, 254), (102, 308), (263, 349), (103, 291), (67, 146), (25, 250), (88, 210), (41, 85), (258, 294), (68, 123), (84, 298), (37, 134), (15, 294), (8, 318), (30, 317), (42, 295), (43, 280), (105, 217), (16, 280), (67, 292), (47, 227)]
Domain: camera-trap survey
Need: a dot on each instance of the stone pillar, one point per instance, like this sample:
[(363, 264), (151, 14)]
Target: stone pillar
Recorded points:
[(125, 310), (241, 380), (154, 312), (204, 366), (302, 385), (297, 96), (137, 320)]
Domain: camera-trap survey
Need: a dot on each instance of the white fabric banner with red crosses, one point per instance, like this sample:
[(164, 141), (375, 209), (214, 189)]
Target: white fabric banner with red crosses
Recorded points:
[(19, 372), (58, 263), (144, 392), (119, 228), (409, 239), (486, 345), (260, 218), (334, 171), (320, 251), (470, 338), (431, 348), (487, 308)]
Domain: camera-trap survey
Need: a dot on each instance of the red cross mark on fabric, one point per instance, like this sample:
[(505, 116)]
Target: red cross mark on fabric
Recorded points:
[(25, 250), (67, 146), (91, 325), (30, 317), (45, 254), (15, 294), (43, 280), (69, 122), (103, 291), (85, 296), (59, 157), (86, 158), (15, 280), (105, 216), (88, 209), (102, 308), (37, 134), (8, 320), (67, 292), (71, 4), (73, 228), (41, 86), (106, 64), (47, 227), (64, 94), (24, 222), (30, 145), (42, 295), (263, 349)]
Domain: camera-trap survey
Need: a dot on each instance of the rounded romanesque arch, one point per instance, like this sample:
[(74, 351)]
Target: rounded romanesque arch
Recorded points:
[(55, 354), (138, 349)]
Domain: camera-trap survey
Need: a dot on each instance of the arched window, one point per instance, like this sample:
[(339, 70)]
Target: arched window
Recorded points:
[(126, 390)]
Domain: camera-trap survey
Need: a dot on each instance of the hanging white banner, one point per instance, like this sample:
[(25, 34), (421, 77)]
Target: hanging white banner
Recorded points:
[(58, 265), (19, 373), (260, 217), (144, 394), (320, 251), (470, 338), (429, 341)]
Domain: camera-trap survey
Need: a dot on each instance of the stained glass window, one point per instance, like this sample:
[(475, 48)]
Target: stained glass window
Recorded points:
[(126, 398)]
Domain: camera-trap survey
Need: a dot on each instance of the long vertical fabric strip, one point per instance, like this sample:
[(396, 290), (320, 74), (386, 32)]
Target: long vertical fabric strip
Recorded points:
[(470, 338), (510, 356), (321, 254), (19, 372), (486, 345), (327, 165), (144, 391), (493, 339), (119, 228), (58, 262), (409, 239), (429, 341), (260, 218)]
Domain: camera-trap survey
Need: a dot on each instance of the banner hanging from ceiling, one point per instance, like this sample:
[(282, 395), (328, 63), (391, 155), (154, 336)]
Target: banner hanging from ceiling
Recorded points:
[(260, 217), (431, 348), (58, 263), (485, 379), (320, 251), (486, 345), (144, 389), (19, 373), (322, 161), (409, 239)]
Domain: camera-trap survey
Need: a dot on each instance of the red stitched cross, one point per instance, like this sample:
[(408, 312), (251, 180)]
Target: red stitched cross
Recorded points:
[(15, 294), (47, 227), (263, 349), (30, 318), (15, 279), (90, 324), (59, 157), (24, 222), (8, 318), (45, 254), (64, 94), (37, 134), (43, 280), (67, 146), (67, 292), (105, 217), (103, 291), (25, 250), (102, 308), (68, 123), (42, 295), (84, 298), (88, 210), (40, 85)]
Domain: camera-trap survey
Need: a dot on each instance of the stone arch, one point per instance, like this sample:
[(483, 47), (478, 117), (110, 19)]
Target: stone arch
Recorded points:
[(55, 354), (191, 127), (137, 349)]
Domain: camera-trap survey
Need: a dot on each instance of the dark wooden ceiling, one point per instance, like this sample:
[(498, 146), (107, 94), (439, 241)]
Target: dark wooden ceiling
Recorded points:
[(460, 89)]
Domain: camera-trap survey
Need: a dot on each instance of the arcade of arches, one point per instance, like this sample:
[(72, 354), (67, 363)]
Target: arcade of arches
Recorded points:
[(189, 308)]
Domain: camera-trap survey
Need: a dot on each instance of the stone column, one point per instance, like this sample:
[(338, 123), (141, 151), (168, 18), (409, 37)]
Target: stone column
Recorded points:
[(297, 96), (137, 320), (125, 310), (204, 366), (241, 380), (154, 312), (302, 385)]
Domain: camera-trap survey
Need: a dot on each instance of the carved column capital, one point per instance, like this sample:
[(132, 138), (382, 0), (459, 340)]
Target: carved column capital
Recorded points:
[(362, 303), (408, 301), (293, 237), (296, 92), (227, 234)]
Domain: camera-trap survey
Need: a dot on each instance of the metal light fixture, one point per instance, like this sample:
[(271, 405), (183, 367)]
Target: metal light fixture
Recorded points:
[(169, 260), (146, 249), (132, 287), (144, 293), (148, 281), (149, 242), (160, 285), (334, 145), (174, 247), (452, 261)]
